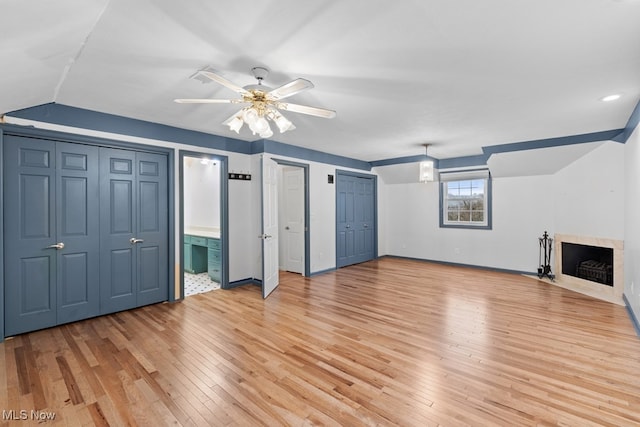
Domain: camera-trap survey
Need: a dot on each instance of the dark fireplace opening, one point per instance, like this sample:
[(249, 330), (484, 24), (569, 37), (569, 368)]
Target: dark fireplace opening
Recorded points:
[(592, 263)]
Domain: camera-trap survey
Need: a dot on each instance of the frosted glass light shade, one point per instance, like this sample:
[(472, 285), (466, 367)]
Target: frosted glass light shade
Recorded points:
[(426, 171), (267, 133), (261, 125), (250, 116), (283, 123), (235, 124)]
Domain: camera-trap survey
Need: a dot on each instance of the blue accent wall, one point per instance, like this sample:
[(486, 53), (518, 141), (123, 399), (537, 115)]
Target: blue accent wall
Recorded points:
[(464, 162), (553, 142), (632, 123), (77, 117), (632, 315), (408, 159), (282, 149)]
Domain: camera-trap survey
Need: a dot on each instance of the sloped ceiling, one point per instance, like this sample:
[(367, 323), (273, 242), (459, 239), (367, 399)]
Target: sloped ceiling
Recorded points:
[(459, 75), (542, 161)]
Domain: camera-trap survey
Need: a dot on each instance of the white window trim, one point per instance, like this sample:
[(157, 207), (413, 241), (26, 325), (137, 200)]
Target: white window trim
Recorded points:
[(466, 176)]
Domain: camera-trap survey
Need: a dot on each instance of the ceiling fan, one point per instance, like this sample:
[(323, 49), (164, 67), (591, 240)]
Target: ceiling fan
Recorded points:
[(263, 104)]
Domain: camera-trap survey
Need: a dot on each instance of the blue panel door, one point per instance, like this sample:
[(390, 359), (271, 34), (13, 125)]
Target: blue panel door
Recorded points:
[(85, 231), (77, 226), (134, 267), (152, 269), (117, 228), (29, 233), (355, 219), (364, 219), (345, 221)]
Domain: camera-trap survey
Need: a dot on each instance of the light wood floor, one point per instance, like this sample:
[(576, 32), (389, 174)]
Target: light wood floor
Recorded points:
[(389, 342)]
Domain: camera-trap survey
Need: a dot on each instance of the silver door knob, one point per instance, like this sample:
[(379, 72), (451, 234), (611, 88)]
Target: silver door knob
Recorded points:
[(366, 226), (265, 236), (56, 246), (133, 240), (347, 226)]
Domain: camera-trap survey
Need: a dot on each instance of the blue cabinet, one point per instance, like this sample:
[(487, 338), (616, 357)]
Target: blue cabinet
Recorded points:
[(203, 254), (214, 261), (195, 254)]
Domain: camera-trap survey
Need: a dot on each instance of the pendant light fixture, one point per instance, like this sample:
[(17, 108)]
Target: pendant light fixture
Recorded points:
[(426, 167)]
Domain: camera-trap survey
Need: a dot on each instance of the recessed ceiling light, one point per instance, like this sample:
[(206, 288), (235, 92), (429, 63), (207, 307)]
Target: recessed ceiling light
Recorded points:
[(610, 98)]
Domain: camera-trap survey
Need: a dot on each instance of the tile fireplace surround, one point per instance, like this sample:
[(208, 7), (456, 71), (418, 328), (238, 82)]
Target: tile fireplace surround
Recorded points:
[(597, 290)]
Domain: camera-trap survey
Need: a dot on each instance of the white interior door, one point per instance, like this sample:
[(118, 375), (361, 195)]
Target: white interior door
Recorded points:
[(269, 234), (293, 238)]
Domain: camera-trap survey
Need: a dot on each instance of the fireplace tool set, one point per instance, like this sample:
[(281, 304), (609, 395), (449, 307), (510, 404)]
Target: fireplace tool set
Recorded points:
[(546, 244)]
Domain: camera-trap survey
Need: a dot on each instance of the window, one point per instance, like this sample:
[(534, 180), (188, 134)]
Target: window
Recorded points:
[(465, 199)]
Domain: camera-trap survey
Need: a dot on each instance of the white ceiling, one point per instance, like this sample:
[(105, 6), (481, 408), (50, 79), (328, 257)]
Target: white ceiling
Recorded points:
[(457, 74)]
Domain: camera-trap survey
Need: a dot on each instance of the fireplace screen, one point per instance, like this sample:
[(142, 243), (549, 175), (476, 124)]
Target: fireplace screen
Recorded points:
[(592, 263)]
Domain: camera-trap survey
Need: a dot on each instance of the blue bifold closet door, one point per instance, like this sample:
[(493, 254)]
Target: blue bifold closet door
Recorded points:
[(355, 220), (134, 239), (51, 233), (85, 231)]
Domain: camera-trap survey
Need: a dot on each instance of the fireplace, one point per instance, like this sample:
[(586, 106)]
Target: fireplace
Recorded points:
[(590, 265), (594, 263)]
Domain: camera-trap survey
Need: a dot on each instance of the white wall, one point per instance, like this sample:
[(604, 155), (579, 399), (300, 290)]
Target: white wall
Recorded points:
[(201, 185), (322, 201), (589, 194), (254, 250), (412, 225), (241, 207), (632, 222), (523, 208), (322, 215)]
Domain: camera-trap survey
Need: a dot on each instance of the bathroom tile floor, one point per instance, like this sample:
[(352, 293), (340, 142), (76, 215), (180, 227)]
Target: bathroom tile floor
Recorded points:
[(198, 283)]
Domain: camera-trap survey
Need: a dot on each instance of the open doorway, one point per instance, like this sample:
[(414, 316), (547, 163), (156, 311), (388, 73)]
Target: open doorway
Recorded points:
[(293, 217), (285, 200), (203, 201), (291, 254)]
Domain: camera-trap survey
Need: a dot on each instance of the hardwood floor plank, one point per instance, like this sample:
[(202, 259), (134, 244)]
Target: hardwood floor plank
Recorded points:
[(387, 342), (24, 383), (72, 386), (97, 416), (86, 364)]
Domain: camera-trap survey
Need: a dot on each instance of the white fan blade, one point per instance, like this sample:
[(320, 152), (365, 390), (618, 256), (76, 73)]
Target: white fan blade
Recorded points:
[(304, 109), (224, 82), (289, 89), (206, 101)]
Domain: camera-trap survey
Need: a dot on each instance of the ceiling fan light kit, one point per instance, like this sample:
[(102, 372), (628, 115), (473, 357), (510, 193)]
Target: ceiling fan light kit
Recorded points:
[(263, 103)]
